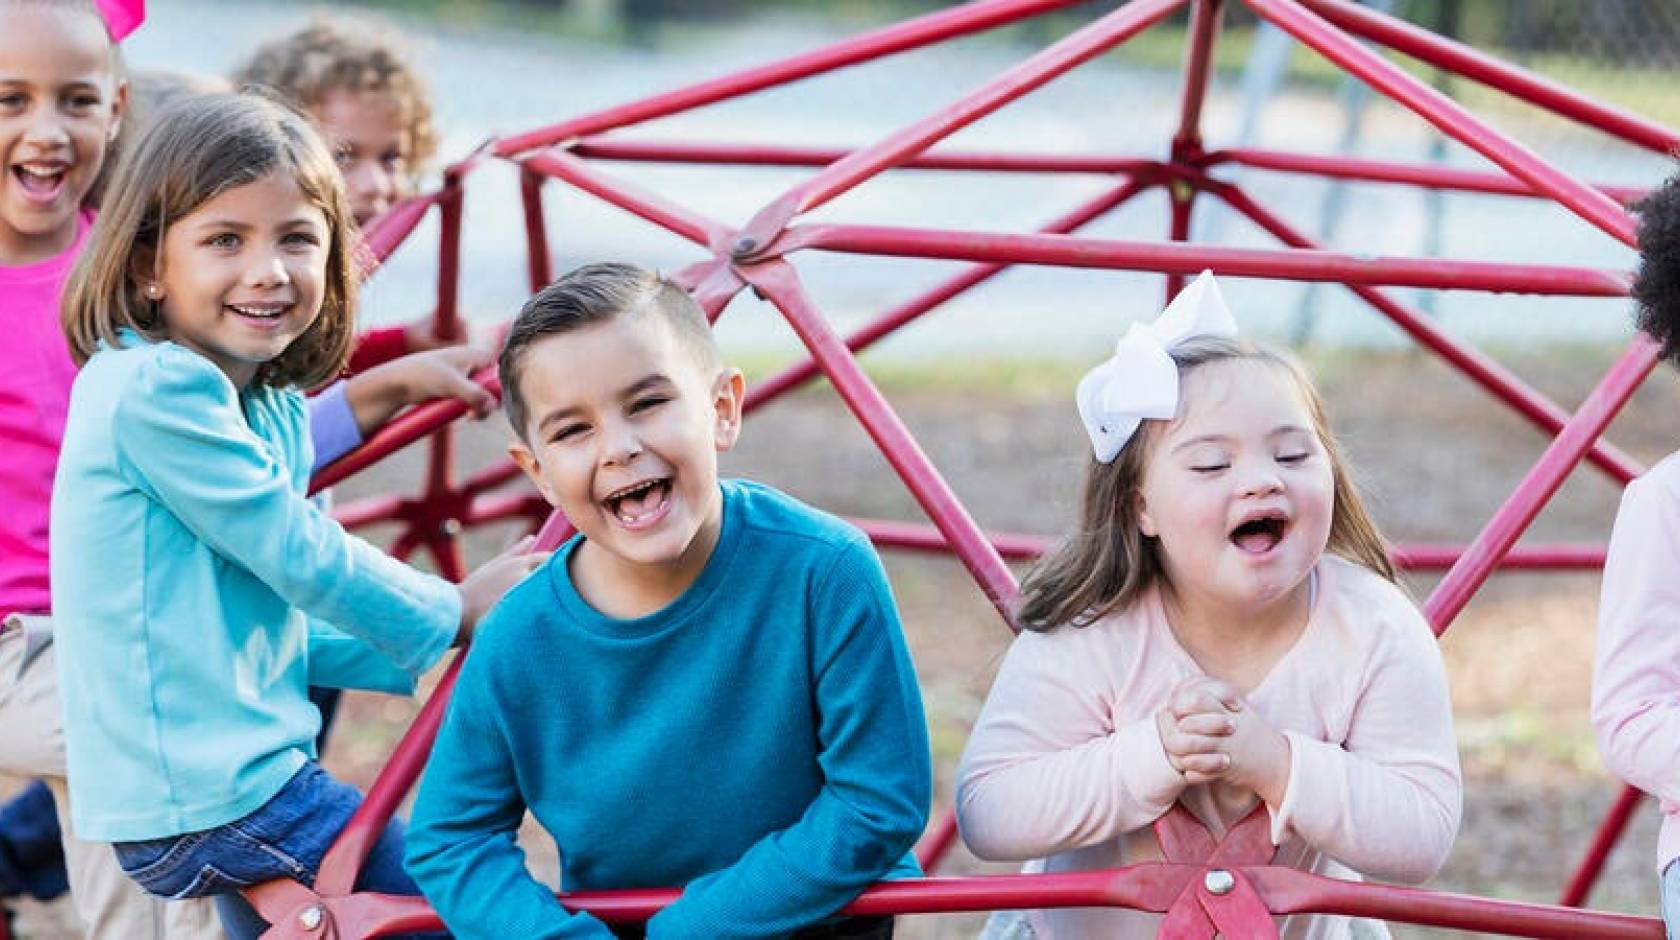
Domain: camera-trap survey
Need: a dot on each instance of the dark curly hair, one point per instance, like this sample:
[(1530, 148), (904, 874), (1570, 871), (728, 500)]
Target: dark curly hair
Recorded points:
[(1656, 287)]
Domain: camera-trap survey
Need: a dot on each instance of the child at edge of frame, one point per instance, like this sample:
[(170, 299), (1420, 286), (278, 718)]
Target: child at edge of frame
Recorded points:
[(1636, 661), (707, 687)]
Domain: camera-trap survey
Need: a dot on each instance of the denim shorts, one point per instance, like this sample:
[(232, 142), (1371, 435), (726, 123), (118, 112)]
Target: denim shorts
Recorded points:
[(1671, 899), (285, 838)]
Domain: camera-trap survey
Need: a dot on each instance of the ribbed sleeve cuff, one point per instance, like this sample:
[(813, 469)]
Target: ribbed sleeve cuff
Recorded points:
[(1307, 763), (1146, 771)]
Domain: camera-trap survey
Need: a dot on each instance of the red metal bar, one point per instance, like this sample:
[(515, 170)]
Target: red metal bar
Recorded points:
[(899, 37), (1481, 369), (446, 321), (1198, 69), (934, 843), (1359, 169), (537, 258), (1290, 891), (777, 385), (656, 209), (668, 151), (1149, 886), (1452, 118), (364, 512), (779, 283), (1181, 203), (393, 226), (1411, 556), (1507, 525), (402, 431), (1608, 834), (1297, 264), (839, 177), (1524, 85)]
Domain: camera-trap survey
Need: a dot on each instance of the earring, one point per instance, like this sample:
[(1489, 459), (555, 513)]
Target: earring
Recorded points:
[(154, 291)]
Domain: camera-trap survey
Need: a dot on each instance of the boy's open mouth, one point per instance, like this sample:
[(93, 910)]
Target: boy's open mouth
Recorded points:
[(1261, 532), (41, 183), (639, 503)]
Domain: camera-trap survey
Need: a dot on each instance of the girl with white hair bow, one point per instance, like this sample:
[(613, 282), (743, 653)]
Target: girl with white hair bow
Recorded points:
[(1222, 630)]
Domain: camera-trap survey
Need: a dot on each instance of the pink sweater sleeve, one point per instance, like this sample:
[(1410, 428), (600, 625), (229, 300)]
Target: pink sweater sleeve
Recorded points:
[(1636, 672), (1047, 769), (1387, 801)]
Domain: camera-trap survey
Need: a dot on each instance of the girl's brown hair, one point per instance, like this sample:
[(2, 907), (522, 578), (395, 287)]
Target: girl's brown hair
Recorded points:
[(323, 57), (1108, 562), (195, 150)]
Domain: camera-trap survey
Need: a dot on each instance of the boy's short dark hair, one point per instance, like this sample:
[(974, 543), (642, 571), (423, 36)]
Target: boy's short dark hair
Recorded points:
[(1656, 287), (593, 294)]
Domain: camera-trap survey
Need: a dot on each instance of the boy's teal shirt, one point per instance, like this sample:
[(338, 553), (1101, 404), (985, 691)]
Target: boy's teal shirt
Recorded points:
[(759, 742), (192, 581)]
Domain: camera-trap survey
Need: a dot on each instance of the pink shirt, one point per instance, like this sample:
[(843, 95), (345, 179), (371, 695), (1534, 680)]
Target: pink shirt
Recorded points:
[(1636, 672), (35, 377), (1065, 766)]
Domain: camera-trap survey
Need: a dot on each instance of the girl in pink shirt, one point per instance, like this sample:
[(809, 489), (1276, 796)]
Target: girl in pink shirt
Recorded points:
[(1223, 630), (1636, 673)]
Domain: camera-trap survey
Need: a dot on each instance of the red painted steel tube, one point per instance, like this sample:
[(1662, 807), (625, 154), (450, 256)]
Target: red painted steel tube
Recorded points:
[(1288, 891), (936, 841), (762, 393), (1360, 169), (404, 430), (899, 37), (1181, 202), (506, 506), (1452, 118), (1464, 60), (1296, 264), (778, 282), (491, 477), (446, 322), (1147, 886), (654, 208), (537, 259), (1507, 525), (365, 512), (1609, 833), (1410, 556), (1198, 69), (1078, 47), (393, 226), (1481, 369), (704, 152)]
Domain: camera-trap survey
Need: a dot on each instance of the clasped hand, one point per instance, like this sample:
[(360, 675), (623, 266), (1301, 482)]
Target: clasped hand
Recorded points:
[(1211, 734)]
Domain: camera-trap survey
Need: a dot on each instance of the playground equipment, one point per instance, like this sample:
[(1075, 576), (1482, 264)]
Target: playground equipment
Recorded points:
[(1204, 885)]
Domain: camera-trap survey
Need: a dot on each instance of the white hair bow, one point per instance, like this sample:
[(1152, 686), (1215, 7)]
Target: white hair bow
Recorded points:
[(1140, 380)]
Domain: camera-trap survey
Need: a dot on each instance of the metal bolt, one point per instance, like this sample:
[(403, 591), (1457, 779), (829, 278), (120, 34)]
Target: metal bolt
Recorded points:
[(310, 917), (451, 527), (1219, 881), (745, 246)]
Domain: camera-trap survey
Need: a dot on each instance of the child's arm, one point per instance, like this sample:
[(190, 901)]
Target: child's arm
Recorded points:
[(1047, 769), (349, 410), (875, 764), (462, 838), (1385, 802), (181, 438), (1636, 672)]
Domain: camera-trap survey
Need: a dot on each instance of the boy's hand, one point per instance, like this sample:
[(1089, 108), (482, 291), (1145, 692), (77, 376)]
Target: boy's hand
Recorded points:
[(380, 392), (484, 587)]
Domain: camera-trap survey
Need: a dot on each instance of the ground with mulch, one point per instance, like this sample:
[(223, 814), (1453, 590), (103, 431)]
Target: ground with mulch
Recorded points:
[(1436, 457)]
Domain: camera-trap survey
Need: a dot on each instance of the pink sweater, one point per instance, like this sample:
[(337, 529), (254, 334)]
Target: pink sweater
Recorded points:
[(1636, 672), (35, 377), (1065, 766)]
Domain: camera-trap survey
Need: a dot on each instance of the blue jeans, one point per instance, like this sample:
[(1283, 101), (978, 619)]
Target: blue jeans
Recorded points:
[(286, 838), (1671, 899)]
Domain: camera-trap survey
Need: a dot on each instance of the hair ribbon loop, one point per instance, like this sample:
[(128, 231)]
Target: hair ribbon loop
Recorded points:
[(1140, 381)]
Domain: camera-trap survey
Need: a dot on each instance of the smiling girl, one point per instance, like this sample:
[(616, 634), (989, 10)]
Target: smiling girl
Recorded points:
[(195, 580), (1223, 630)]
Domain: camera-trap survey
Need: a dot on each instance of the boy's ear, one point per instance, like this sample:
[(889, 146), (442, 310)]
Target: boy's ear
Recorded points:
[(729, 391), (528, 462)]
